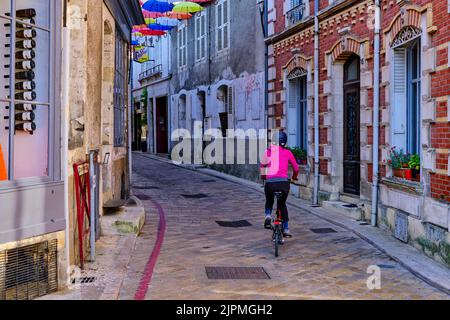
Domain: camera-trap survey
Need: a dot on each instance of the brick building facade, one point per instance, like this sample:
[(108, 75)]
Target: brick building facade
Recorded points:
[(414, 107)]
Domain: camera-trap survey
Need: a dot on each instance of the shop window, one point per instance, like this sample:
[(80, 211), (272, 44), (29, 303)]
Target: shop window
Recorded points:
[(223, 25), (29, 134), (406, 91), (120, 87), (200, 36)]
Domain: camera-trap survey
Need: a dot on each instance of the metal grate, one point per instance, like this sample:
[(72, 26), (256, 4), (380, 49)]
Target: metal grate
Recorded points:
[(323, 230), (234, 224), (195, 196), (236, 273), (146, 188), (83, 280), (29, 272)]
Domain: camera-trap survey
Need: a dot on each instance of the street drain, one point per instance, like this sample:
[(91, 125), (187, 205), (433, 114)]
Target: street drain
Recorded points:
[(350, 206), (386, 266), (83, 280), (195, 196), (234, 224), (146, 188), (236, 273), (323, 230), (143, 197)]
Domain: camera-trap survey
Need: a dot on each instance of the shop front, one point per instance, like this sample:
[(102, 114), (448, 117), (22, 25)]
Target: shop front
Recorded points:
[(31, 187)]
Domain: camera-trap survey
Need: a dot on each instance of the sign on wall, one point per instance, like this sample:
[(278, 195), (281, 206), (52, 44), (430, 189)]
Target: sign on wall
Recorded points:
[(141, 54)]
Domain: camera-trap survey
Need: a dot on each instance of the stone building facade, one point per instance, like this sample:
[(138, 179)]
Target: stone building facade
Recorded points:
[(81, 83), (414, 109)]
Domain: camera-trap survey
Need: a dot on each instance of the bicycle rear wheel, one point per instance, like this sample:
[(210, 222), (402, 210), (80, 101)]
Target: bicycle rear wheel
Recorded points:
[(277, 241)]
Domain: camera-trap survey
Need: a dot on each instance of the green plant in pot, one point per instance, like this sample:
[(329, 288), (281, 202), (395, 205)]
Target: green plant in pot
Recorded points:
[(300, 155), (399, 162), (414, 165)]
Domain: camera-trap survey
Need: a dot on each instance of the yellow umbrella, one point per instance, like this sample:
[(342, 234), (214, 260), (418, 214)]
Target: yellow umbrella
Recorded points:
[(187, 7), (150, 20)]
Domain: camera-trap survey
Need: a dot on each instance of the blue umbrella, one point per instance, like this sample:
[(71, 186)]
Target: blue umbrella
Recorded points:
[(157, 6), (155, 26)]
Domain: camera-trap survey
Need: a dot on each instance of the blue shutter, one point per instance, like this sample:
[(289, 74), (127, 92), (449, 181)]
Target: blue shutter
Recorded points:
[(399, 101), (292, 116)]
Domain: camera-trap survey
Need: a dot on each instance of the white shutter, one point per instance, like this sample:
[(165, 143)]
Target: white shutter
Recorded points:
[(399, 101), (230, 100), (292, 116)]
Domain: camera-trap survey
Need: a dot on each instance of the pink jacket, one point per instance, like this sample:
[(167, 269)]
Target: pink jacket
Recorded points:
[(275, 163)]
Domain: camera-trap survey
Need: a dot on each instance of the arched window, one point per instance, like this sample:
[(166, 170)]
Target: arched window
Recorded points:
[(297, 112)]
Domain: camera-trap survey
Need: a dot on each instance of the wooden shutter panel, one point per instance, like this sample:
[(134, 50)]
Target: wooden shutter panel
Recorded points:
[(292, 113), (399, 101), (230, 100)]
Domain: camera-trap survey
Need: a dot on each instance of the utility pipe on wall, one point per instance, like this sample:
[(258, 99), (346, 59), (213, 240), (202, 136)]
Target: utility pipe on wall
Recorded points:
[(316, 104), (376, 114)]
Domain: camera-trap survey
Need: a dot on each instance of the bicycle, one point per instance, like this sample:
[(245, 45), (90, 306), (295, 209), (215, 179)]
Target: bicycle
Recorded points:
[(277, 226)]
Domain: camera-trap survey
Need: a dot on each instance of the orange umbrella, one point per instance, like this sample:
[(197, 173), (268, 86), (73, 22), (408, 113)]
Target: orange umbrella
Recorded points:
[(3, 173), (178, 15)]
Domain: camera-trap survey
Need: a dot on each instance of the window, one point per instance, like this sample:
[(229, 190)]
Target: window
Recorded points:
[(120, 87), (223, 25), (406, 91), (296, 11), (200, 36), (297, 110), (29, 107), (182, 46)]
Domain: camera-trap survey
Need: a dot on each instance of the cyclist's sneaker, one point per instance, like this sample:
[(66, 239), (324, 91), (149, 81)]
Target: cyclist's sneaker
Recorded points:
[(287, 233), (268, 222)]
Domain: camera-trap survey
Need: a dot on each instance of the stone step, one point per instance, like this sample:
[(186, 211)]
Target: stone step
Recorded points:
[(350, 199), (348, 209)]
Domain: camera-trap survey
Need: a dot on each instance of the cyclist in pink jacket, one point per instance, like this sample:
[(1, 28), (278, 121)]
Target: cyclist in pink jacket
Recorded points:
[(274, 170)]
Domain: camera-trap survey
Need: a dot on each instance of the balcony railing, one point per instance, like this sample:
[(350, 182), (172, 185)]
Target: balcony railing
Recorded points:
[(151, 73), (296, 14)]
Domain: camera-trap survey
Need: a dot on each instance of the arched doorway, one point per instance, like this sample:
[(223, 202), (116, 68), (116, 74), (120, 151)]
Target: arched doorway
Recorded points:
[(352, 159)]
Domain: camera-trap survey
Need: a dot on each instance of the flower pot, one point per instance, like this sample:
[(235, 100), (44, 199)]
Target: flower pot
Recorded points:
[(415, 175), (408, 174), (400, 173)]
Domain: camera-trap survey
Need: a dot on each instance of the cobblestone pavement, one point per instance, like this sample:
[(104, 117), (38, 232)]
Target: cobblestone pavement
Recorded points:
[(311, 265)]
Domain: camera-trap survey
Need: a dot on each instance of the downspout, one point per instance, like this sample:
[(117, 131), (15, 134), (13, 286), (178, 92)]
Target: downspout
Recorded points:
[(316, 104), (65, 78), (130, 113), (376, 114), (265, 26)]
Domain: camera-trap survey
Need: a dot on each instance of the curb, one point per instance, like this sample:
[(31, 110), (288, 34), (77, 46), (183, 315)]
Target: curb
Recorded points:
[(421, 266)]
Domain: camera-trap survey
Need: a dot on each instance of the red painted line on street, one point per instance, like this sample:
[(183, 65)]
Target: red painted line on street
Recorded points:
[(148, 272)]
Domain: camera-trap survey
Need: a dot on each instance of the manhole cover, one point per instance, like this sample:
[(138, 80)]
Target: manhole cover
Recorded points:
[(236, 273), (146, 188), (143, 197), (83, 280), (195, 196), (323, 230), (234, 224)]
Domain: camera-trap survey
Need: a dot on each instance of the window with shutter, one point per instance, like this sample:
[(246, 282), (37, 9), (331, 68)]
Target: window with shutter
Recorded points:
[(182, 46), (230, 100), (222, 28), (292, 112), (297, 111), (399, 99), (200, 36)]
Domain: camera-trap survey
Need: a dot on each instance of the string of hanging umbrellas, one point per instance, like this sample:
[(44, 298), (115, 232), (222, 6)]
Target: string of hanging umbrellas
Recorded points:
[(161, 16)]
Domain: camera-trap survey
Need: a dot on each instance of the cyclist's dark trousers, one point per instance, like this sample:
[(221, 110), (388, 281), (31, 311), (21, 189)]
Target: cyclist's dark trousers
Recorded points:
[(270, 189)]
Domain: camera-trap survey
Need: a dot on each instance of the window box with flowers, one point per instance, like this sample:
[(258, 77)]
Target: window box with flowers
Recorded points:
[(300, 155), (404, 165)]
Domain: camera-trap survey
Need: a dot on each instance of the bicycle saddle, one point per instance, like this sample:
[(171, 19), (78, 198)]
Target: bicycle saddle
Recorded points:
[(278, 194)]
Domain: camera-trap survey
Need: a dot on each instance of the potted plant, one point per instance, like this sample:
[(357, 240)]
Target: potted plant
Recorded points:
[(399, 162), (414, 165), (300, 155)]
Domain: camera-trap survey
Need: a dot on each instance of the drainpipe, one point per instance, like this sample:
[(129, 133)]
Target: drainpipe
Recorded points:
[(376, 114), (316, 104), (65, 78), (130, 114), (265, 27)]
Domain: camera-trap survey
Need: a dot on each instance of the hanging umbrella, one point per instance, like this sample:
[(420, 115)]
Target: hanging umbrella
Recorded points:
[(178, 15), (150, 20), (157, 6), (155, 26), (150, 32), (187, 7), (151, 14), (167, 22)]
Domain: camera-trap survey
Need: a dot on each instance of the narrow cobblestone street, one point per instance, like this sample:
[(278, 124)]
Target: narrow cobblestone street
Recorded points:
[(311, 266)]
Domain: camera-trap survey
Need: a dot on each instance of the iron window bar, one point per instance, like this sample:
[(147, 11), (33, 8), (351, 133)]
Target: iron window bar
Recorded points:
[(296, 14)]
